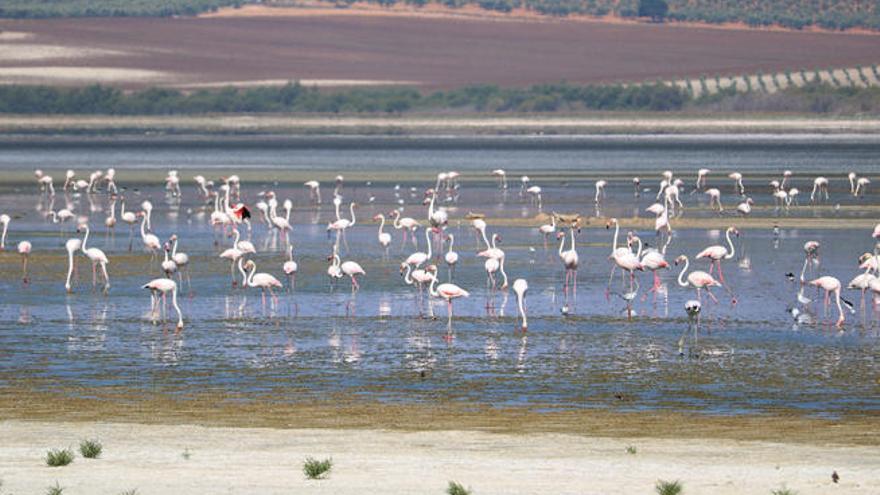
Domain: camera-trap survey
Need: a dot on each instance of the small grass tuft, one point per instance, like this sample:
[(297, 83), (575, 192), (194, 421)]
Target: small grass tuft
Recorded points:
[(315, 469), (186, 454), (59, 457), (90, 449), (55, 490), (456, 488), (784, 491), (133, 491), (631, 449), (668, 487)]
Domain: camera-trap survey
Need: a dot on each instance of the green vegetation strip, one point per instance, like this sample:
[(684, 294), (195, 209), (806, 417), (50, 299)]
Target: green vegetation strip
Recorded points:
[(814, 97)]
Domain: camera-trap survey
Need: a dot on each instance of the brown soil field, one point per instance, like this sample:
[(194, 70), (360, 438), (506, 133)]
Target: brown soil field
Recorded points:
[(431, 51)]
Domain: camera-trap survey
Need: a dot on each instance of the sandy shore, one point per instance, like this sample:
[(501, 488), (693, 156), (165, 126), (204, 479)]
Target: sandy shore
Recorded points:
[(452, 125), (152, 459)]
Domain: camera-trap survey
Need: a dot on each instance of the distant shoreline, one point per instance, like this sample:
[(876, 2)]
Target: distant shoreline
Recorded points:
[(44, 129)]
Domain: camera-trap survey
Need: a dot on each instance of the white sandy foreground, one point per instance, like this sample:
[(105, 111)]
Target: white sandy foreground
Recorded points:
[(151, 459)]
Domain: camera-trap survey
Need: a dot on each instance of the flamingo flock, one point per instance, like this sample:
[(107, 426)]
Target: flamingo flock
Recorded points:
[(231, 217)]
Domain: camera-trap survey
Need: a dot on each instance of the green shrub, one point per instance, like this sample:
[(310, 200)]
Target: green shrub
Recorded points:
[(59, 457), (315, 469), (456, 488), (668, 487), (90, 449)]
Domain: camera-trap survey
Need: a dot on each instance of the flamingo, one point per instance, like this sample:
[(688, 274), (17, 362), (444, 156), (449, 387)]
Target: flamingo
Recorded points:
[(501, 175), (537, 199), (246, 247), (97, 257), (110, 221), (480, 230), (451, 257), (232, 254), (820, 185), (290, 267), (600, 190), (180, 259), (447, 291), (72, 246), (716, 253), (418, 258), (163, 286), (314, 191), (407, 223), (352, 269), (168, 265), (692, 308), (786, 176), (811, 254), (653, 260), (671, 194), (862, 282), (661, 221), (701, 178), (636, 183), (623, 257), (131, 219), (151, 241), (569, 260), (263, 281), (861, 186), (715, 198), (342, 224), (745, 208), (852, 183), (697, 279), (4, 220), (384, 237), (147, 210), (738, 183), (24, 249), (548, 229), (520, 287), (830, 285)]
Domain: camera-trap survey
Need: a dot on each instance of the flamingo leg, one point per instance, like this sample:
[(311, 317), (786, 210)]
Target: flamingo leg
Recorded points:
[(714, 299)]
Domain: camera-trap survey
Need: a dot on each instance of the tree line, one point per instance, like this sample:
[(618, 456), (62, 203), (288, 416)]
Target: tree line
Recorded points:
[(293, 97)]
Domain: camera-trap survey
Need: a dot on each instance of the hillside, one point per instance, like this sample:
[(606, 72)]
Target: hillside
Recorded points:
[(795, 14)]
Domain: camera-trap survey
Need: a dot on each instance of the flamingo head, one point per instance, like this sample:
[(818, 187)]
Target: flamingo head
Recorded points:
[(497, 238), (402, 267), (610, 222), (378, 216), (166, 246), (249, 265), (560, 235), (734, 231), (173, 237), (431, 269), (636, 181), (865, 257), (680, 259)]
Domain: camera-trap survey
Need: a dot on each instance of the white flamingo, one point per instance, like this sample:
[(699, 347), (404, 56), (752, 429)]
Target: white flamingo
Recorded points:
[(163, 286), (97, 257)]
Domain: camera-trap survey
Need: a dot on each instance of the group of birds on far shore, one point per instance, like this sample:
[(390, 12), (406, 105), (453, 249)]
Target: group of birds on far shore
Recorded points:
[(230, 216)]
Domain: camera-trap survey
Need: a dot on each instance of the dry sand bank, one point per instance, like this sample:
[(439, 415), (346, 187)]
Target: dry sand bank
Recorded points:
[(150, 458), (462, 125)]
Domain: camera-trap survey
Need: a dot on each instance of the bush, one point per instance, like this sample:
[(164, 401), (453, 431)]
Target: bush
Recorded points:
[(90, 449), (315, 469), (668, 487), (59, 457), (456, 488)]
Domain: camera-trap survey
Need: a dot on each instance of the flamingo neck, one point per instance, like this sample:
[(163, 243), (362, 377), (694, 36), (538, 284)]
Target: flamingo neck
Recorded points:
[(681, 281), (561, 244), (572, 239), (351, 210), (250, 275), (451, 242), (143, 227), (639, 251), (840, 318), (503, 273), (287, 217), (407, 277), (237, 237), (485, 239), (432, 289), (289, 253), (428, 240), (396, 222), (85, 238), (176, 307), (336, 204), (3, 237), (522, 309), (616, 231), (732, 248), (174, 249), (381, 223), (431, 205)]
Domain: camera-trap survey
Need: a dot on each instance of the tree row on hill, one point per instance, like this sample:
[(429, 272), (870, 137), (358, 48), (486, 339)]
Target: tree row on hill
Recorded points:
[(295, 98)]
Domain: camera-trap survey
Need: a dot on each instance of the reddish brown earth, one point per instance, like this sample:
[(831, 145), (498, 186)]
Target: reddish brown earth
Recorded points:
[(435, 52)]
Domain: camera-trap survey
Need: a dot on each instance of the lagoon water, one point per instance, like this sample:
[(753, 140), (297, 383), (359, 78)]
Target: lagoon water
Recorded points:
[(319, 341)]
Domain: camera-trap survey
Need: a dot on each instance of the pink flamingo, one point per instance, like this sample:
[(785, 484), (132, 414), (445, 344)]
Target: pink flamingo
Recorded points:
[(233, 255), (653, 260), (24, 249), (569, 261), (715, 198), (408, 224), (290, 267), (830, 285), (263, 281), (623, 257), (716, 253), (163, 286), (661, 222), (4, 220), (97, 257), (811, 254), (696, 279), (352, 269), (446, 291)]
